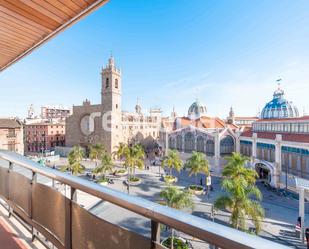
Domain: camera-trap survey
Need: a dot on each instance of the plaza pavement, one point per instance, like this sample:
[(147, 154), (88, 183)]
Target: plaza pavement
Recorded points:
[(280, 212)]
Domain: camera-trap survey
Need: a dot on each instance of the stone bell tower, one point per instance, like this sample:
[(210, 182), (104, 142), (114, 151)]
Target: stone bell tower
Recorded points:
[(111, 105)]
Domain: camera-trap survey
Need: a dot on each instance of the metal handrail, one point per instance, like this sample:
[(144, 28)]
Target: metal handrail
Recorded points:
[(213, 233)]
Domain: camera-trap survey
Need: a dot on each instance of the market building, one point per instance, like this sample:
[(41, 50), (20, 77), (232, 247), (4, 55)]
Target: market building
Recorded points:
[(199, 132), (278, 143)]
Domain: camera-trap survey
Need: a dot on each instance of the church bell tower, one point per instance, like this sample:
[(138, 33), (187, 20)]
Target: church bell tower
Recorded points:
[(111, 105)]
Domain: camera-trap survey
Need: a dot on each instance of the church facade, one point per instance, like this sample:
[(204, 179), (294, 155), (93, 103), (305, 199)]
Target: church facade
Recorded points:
[(106, 122)]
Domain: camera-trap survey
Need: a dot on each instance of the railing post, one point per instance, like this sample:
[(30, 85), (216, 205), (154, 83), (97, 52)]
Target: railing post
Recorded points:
[(68, 222), (33, 181), (10, 169), (155, 234)]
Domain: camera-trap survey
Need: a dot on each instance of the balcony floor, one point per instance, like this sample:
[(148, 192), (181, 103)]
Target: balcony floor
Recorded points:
[(13, 235)]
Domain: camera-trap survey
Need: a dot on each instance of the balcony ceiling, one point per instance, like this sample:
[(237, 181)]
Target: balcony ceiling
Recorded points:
[(27, 24)]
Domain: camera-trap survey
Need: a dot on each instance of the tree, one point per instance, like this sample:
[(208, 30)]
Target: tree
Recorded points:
[(197, 163), (134, 157), (96, 152), (75, 157), (105, 165), (172, 160), (120, 153), (239, 184), (178, 199)]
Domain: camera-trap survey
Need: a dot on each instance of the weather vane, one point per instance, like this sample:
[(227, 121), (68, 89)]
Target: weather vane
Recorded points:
[(279, 82)]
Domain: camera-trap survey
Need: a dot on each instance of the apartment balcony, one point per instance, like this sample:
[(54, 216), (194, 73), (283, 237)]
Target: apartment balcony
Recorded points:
[(28, 192)]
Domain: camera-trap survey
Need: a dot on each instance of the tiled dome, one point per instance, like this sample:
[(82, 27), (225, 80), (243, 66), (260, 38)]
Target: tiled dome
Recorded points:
[(196, 110), (279, 107)]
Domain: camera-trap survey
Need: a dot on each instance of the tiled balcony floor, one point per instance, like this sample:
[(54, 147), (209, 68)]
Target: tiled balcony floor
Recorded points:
[(13, 235)]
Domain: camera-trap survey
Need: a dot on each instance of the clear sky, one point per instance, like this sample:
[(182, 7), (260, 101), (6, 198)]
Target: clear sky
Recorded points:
[(225, 53)]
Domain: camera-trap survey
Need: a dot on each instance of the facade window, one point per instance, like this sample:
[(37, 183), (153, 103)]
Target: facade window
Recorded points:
[(116, 83), (11, 133), (107, 83)]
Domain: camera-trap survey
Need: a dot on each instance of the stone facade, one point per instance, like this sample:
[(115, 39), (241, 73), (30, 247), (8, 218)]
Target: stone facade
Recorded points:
[(106, 123), (11, 135)]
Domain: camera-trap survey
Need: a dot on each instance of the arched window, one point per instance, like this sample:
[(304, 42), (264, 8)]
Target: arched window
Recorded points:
[(200, 144), (172, 143), (179, 142), (107, 83), (227, 145), (210, 147), (116, 83), (189, 142)]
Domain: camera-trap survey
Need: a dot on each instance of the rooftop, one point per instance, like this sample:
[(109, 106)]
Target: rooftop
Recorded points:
[(301, 138), (9, 123)]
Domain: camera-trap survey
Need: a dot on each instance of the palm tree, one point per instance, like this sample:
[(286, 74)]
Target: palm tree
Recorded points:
[(105, 166), (121, 151), (172, 160), (239, 184), (96, 152), (178, 199), (134, 157), (75, 157), (197, 163)]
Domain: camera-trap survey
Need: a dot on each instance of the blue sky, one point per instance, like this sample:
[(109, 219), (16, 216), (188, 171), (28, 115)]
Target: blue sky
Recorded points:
[(225, 53)]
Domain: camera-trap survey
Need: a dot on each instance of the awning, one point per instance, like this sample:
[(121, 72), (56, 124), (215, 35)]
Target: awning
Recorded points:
[(27, 24)]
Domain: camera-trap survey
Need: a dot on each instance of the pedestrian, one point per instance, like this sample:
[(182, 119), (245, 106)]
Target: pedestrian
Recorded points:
[(307, 236), (201, 182)]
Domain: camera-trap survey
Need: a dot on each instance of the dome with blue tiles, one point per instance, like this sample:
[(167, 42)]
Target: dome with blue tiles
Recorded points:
[(196, 110), (279, 107)]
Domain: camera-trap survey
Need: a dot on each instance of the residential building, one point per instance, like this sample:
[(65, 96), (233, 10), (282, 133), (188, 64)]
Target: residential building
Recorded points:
[(11, 135), (41, 137), (55, 112)]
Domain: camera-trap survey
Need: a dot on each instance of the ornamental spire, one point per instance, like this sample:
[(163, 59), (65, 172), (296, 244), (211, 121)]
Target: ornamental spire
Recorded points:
[(279, 92)]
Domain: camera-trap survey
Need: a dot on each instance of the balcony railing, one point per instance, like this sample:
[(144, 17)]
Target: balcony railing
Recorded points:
[(68, 225)]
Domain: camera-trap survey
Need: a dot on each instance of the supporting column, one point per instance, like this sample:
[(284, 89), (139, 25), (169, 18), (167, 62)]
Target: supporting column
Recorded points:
[(277, 160), (166, 142), (238, 133), (183, 142), (302, 213), (254, 148), (204, 146), (217, 149)]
